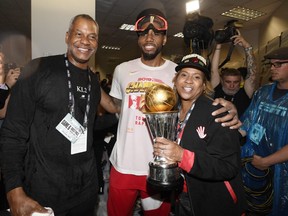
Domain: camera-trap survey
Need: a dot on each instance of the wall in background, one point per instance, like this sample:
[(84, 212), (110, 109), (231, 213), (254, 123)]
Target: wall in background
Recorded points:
[(269, 38), (50, 21)]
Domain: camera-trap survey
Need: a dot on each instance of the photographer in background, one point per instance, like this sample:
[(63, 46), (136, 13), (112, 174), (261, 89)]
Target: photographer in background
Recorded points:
[(4, 91), (9, 74), (227, 84)]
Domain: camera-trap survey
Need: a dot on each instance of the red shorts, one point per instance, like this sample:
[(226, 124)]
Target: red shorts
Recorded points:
[(124, 190)]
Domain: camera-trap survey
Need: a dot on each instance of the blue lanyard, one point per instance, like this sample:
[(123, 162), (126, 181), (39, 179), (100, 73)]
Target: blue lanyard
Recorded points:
[(71, 96)]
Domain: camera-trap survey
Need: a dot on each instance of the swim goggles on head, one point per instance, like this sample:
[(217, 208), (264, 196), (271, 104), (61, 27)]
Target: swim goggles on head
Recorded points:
[(158, 23)]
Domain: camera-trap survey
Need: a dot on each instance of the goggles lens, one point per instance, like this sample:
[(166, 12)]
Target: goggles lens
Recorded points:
[(158, 22), (150, 26)]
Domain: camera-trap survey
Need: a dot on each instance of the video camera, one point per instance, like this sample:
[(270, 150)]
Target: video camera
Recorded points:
[(198, 32), (230, 29)]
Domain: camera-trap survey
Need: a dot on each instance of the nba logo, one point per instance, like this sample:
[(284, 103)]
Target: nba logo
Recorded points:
[(134, 102)]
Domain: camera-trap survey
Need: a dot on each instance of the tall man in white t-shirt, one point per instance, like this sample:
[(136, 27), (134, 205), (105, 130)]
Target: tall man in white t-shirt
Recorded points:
[(133, 149)]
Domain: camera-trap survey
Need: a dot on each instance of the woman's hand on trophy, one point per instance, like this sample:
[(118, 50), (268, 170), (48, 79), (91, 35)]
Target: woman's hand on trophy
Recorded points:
[(166, 148)]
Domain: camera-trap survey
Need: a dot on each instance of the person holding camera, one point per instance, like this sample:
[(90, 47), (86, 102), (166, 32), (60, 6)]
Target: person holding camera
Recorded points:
[(8, 78), (227, 84), (4, 90)]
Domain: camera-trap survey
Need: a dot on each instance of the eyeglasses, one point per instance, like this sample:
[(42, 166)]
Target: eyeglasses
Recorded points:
[(159, 23), (276, 64)]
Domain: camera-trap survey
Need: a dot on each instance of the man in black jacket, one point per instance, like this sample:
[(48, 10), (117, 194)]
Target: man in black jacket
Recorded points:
[(47, 156)]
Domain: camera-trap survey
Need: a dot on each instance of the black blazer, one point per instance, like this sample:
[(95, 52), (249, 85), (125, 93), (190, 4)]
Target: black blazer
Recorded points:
[(217, 159)]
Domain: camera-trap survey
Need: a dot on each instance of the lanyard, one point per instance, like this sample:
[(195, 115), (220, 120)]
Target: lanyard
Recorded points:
[(71, 95), (181, 125)]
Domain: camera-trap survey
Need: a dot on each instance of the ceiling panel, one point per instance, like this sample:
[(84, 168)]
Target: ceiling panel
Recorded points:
[(15, 16), (125, 11)]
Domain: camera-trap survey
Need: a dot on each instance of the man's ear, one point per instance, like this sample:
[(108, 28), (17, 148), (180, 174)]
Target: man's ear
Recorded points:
[(66, 37), (164, 40)]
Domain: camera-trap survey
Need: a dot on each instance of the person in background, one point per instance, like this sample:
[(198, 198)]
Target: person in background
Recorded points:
[(10, 80), (3, 96), (211, 162), (105, 131), (4, 90), (227, 83), (265, 125), (133, 148), (47, 157)]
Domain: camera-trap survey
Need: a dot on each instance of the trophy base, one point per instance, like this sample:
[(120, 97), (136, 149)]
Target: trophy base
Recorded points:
[(164, 177)]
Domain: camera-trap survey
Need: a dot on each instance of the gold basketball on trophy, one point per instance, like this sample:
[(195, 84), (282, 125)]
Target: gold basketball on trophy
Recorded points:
[(160, 98)]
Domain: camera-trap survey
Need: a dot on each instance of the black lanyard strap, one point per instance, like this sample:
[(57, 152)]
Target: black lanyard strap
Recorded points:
[(71, 95)]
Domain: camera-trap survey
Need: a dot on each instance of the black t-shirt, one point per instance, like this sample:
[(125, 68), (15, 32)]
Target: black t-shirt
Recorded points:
[(279, 93), (80, 81), (240, 99)]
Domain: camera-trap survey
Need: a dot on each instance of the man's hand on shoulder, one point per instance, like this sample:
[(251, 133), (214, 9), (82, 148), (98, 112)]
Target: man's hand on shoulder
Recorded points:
[(230, 120)]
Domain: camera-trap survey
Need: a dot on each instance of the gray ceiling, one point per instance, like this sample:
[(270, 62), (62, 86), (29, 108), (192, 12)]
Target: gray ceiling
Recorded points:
[(111, 14), (15, 15)]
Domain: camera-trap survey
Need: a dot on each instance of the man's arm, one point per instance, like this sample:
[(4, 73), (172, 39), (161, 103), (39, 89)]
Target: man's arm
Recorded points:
[(10, 80), (279, 156), (230, 120), (2, 74), (110, 104), (215, 76), (250, 79)]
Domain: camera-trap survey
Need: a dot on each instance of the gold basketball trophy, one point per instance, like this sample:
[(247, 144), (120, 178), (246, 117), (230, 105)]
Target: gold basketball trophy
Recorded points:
[(161, 121)]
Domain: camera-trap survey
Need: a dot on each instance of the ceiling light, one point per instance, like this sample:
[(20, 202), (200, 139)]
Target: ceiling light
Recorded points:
[(243, 13), (127, 27), (192, 6), (110, 47)]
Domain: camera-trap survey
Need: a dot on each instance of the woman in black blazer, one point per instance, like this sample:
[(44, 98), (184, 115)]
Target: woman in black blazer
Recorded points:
[(207, 153)]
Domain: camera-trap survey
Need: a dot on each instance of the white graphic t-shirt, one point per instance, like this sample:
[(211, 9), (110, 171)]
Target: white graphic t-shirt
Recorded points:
[(133, 149)]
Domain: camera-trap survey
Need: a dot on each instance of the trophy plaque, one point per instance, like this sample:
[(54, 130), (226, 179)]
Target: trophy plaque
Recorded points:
[(161, 121)]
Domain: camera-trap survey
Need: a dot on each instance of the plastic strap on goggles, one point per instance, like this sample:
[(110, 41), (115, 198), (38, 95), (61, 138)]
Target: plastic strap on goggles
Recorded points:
[(158, 22)]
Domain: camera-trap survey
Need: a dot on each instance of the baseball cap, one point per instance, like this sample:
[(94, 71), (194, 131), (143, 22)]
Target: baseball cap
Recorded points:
[(153, 16), (279, 53), (194, 61)]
